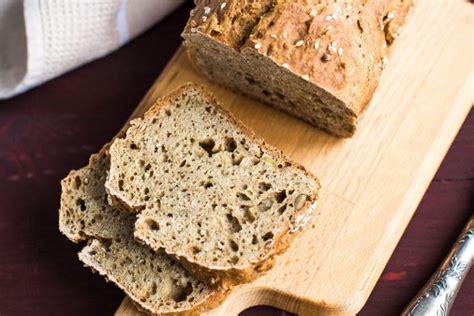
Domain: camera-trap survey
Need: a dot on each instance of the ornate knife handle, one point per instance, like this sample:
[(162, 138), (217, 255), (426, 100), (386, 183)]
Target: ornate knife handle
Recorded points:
[(437, 296)]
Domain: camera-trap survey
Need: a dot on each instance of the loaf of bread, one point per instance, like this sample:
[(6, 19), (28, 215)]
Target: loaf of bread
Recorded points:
[(207, 190), (154, 281), (318, 60)]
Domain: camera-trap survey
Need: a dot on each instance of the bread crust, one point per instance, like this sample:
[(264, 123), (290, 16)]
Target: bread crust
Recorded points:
[(226, 278)]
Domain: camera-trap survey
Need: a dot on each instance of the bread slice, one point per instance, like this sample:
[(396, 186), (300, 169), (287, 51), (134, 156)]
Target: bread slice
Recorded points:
[(318, 60), (207, 190), (154, 281)]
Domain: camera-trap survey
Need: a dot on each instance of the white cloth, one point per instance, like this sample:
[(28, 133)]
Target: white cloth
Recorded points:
[(42, 39)]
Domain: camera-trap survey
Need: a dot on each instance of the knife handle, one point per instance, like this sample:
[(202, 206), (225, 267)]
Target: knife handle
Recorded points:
[(438, 294)]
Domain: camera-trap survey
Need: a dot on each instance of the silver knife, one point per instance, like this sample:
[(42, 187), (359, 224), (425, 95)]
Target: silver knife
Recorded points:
[(437, 296)]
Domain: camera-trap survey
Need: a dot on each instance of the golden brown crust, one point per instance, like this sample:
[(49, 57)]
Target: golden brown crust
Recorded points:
[(229, 277), (338, 46)]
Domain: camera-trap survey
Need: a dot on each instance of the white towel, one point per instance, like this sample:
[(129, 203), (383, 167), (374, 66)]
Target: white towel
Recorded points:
[(42, 39)]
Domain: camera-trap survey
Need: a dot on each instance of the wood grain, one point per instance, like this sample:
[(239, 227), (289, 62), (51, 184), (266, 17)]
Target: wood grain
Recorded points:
[(372, 182)]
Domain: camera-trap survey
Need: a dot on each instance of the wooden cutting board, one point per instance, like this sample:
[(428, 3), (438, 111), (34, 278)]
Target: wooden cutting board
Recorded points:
[(372, 183)]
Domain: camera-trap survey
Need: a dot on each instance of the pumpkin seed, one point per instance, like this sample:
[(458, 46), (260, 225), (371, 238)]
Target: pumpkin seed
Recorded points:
[(300, 201), (270, 162)]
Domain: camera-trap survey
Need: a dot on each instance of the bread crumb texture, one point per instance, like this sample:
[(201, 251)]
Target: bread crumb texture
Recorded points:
[(154, 281), (206, 190)]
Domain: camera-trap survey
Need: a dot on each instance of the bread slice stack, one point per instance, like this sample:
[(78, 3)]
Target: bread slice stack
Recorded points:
[(188, 203)]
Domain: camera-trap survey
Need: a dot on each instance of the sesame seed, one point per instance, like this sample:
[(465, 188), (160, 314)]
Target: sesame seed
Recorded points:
[(313, 13), (305, 77), (331, 49), (285, 35), (340, 51), (273, 36), (286, 66), (258, 45), (329, 28), (316, 45), (349, 7), (223, 5), (299, 43), (328, 18), (390, 15), (193, 29), (207, 10), (334, 43), (204, 18)]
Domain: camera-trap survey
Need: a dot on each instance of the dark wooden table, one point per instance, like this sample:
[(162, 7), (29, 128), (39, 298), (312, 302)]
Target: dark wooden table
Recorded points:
[(51, 129)]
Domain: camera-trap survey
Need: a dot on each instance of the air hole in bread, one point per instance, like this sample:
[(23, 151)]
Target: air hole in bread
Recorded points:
[(280, 196), (234, 224), (267, 236), (77, 182), (152, 224), (282, 209), (208, 185), (254, 239), (179, 293), (120, 184), (195, 250), (264, 186), (133, 146), (107, 243), (82, 204), (208, 146), (230, 144), (243, 196), (233, 245), (168, 112)]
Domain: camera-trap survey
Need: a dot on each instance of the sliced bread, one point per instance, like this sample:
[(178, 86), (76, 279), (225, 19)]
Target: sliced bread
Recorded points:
[(154, 281), (207, 190), (318, 60)]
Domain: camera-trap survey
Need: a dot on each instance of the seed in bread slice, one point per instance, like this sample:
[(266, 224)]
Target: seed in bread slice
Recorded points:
[(207, 190), (154, 281)]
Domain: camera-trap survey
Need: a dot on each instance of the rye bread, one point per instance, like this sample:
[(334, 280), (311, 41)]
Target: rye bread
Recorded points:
[(318, 60), (153, 280), (207, 190)]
